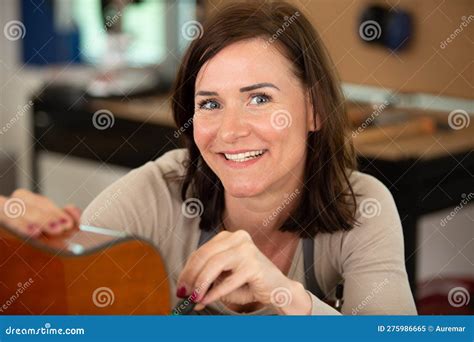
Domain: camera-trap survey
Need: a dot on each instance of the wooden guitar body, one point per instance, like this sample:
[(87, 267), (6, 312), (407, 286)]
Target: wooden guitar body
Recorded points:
[(85, 271)]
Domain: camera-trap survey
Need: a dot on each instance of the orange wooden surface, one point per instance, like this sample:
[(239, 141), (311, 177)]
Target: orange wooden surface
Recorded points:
[(122, 276)]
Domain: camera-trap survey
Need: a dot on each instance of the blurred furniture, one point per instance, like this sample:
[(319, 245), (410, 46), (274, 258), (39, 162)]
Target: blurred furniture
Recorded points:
[(121, 132), (426, 169), (7, 174)]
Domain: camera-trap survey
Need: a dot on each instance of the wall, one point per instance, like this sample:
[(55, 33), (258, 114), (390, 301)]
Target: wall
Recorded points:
[(424, 67)]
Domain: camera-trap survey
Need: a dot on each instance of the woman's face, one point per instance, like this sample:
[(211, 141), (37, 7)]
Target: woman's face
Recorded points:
[(251, 119)]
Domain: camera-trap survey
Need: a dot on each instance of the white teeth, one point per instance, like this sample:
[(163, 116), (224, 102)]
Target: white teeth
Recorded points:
[(241, 157)]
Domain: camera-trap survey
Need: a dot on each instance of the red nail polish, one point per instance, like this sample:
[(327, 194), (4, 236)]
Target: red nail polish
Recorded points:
[(62, 220), (52, 224), (181, 292), (32, 227), (195, 296)]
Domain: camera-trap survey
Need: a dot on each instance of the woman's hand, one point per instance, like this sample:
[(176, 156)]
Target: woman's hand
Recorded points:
[(31, 214), (239, 274)]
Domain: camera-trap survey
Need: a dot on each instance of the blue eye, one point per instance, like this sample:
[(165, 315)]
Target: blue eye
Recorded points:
[(260, 99), (208, 105)]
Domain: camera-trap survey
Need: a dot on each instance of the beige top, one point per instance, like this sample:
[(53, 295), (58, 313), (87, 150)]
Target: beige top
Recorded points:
[(370, 258)]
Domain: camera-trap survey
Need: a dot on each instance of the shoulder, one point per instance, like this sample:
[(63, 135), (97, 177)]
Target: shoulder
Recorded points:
[(163, 173), (368, 186), (172, 163), (378, 230), (143, 199)]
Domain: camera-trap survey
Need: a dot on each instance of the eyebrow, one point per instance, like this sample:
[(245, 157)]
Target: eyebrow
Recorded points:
[(242, 90)]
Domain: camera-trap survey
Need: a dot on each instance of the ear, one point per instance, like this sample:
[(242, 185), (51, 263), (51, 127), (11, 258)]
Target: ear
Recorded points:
[(313, 125)]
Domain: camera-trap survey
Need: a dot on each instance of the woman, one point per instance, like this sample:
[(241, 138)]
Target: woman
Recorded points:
[(264, 211)]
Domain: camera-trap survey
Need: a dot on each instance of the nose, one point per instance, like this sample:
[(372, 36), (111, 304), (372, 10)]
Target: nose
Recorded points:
[(233, 126)]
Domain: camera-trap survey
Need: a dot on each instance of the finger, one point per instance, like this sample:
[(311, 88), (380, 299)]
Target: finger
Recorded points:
[(74, 212), (199, 307), (226, 261), (223, 241), (52, 222), (52, 219), (226, 287)]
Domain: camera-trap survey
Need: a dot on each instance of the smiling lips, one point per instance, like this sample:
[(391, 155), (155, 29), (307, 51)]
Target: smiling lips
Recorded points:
[(240, 157)]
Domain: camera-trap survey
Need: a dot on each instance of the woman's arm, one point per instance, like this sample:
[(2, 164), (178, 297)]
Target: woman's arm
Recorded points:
[(137, 203), (372, 257)]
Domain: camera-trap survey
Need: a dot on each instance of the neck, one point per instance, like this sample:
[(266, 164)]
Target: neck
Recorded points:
[(262, 215)]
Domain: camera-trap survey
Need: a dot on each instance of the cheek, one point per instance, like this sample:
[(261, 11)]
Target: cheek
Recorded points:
[(204, 132)]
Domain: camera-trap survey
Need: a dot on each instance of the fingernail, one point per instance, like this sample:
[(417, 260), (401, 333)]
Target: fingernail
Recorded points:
[(32, 226), (53, 225), (62, 220), (181, 292), (195, 297)]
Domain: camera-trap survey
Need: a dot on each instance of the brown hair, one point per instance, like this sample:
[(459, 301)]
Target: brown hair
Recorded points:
[(328, 200)]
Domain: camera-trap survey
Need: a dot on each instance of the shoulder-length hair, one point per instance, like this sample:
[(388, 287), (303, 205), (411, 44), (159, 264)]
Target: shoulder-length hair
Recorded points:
[(327, 202)]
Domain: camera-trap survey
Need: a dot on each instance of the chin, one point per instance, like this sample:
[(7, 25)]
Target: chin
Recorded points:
[(243, 189)]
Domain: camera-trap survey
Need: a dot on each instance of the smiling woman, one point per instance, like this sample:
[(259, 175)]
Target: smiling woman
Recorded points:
[(264, 212)]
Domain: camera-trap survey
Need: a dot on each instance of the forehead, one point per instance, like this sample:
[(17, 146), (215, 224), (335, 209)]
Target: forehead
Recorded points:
[(243, 63)]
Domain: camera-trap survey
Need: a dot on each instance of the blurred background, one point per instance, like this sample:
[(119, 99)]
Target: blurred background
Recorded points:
[(84, 98)]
